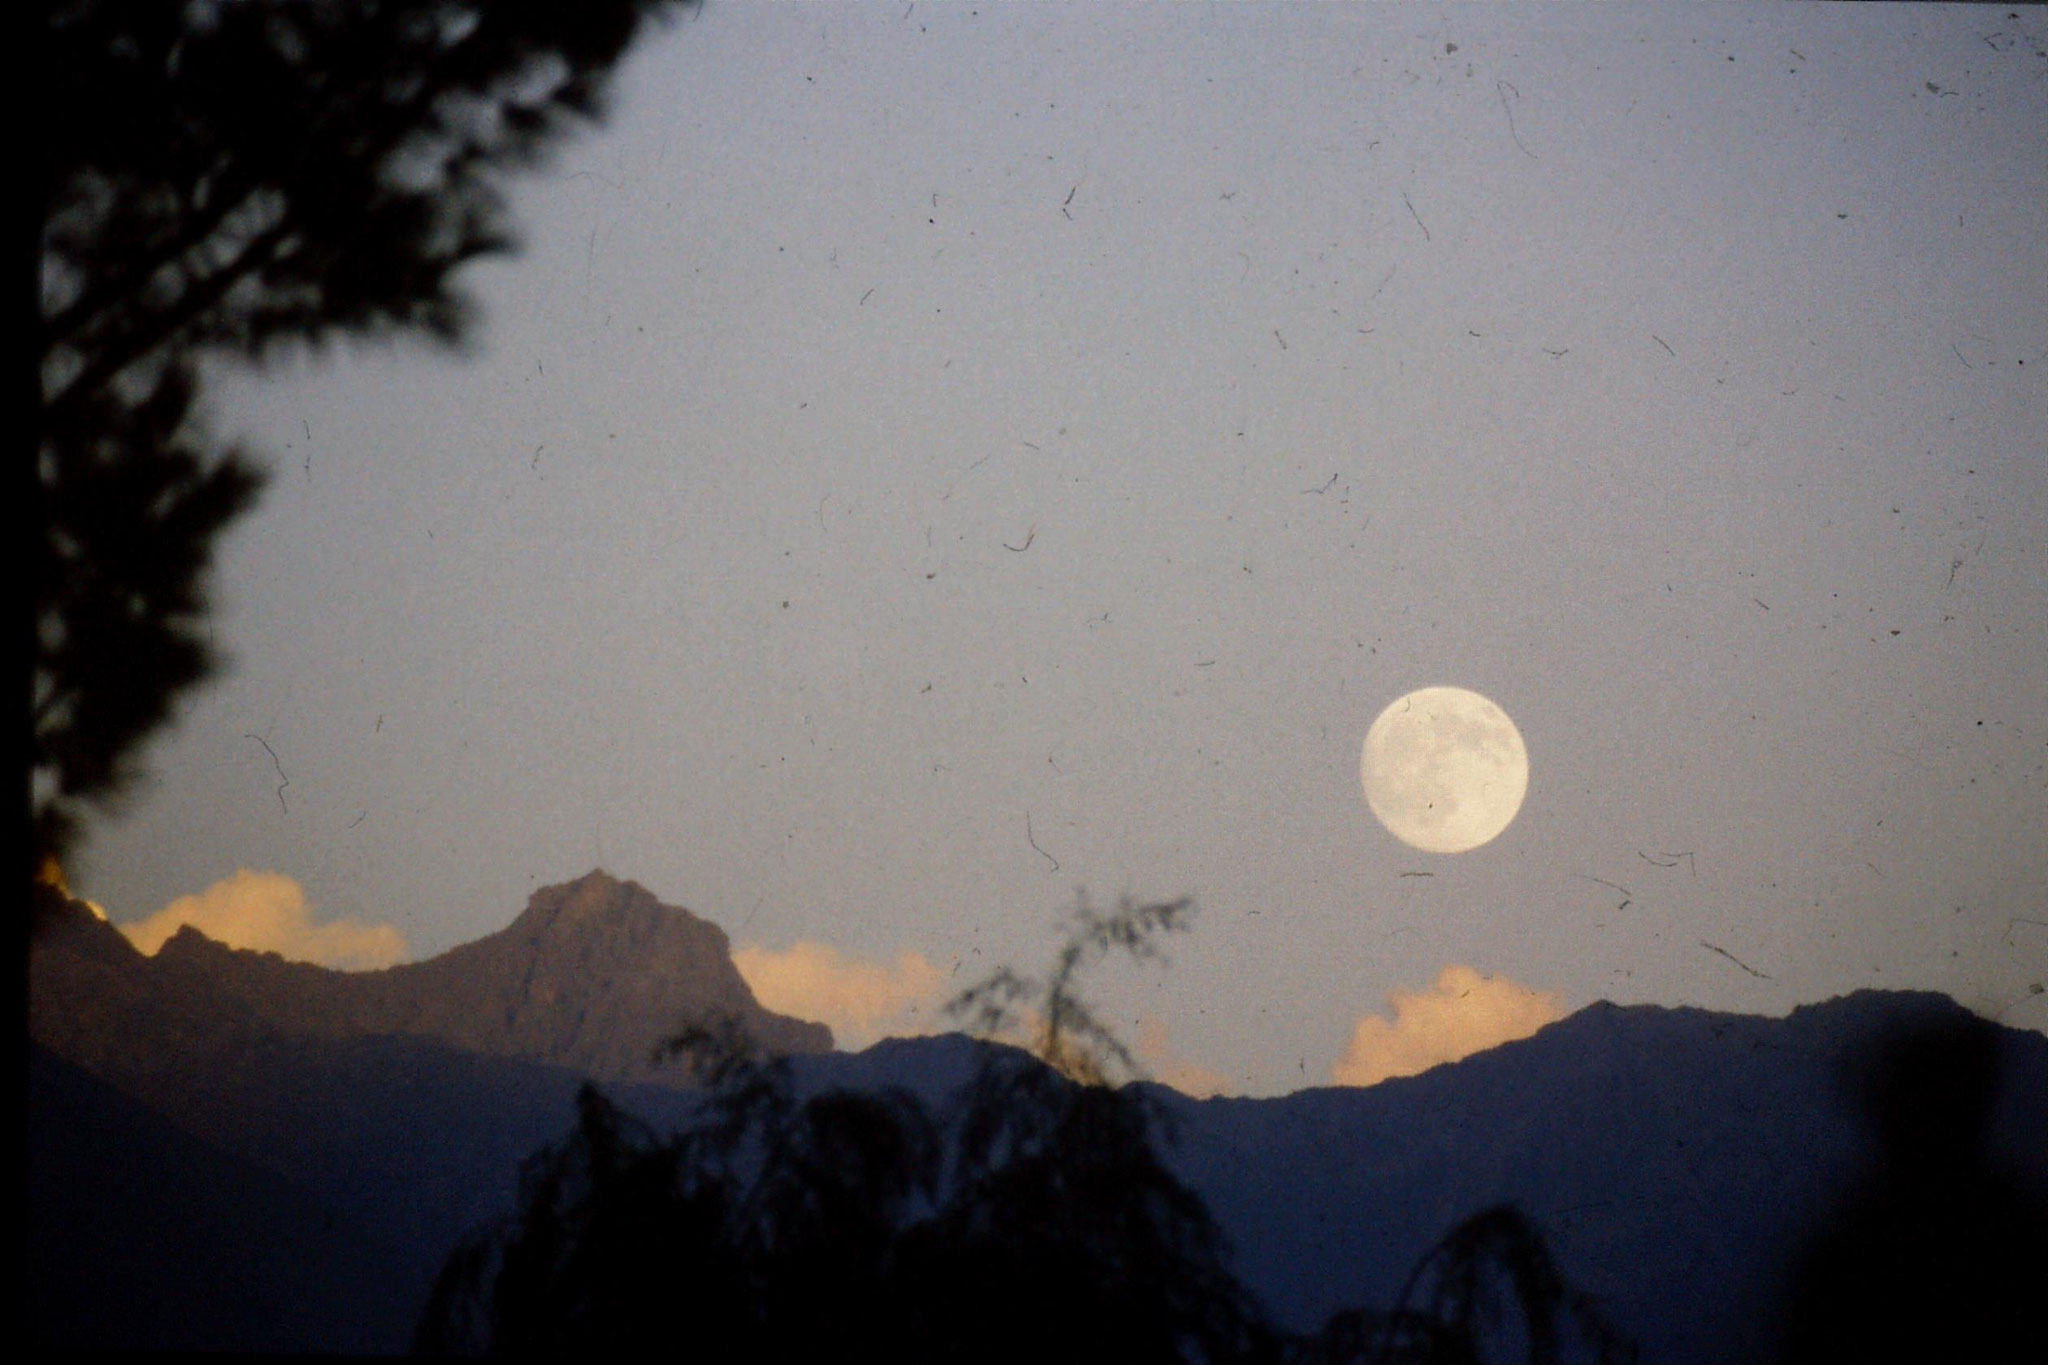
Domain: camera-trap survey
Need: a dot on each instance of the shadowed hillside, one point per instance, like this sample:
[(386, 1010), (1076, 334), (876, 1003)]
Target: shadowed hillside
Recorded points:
[(1674, 1161), (144, 1237), (191, 1107), (591, 977), (1675, 1158)]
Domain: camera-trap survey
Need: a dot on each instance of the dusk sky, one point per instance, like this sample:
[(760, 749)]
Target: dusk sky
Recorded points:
[(927, 462)]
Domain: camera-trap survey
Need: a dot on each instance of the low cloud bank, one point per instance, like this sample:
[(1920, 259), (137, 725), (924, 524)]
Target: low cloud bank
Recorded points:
[(1462, 1013), (267, 912), (862, 1002), (1168, 1068)]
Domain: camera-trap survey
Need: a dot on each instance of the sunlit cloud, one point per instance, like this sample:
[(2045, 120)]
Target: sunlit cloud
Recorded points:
[(1191, 1079), (862, 1002), (267, 912), (1462, 1013), (51, 874)]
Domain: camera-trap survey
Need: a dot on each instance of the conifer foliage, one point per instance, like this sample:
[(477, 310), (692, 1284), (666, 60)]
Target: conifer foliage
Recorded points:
[(232, 176)]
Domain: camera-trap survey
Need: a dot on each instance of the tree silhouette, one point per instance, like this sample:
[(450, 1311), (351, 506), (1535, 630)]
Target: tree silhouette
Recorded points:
[(232, 177), (1064, 1223), (1937, 1252), (1030, 1217), (1487, 1288)]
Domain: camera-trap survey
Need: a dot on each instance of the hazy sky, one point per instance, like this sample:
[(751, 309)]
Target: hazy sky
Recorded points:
[(1677, 377)]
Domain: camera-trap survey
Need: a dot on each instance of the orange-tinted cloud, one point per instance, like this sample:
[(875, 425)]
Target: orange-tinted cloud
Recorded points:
[(1187, 1077), (861, 1001), (51, 874), (267, 912), (1462, 1013)]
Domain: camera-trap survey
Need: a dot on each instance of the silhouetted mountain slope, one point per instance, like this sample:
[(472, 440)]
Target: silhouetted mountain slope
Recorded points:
[(141, 1236), (593, 976), (417, 1139), (341, 1115), (1675, 1158)]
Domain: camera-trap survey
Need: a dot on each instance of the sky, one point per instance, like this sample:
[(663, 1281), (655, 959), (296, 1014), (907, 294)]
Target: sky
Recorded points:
[(930, 464)]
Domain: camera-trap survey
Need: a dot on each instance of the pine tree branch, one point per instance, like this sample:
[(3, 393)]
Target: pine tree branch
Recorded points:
[(454, 69), (196, 300)]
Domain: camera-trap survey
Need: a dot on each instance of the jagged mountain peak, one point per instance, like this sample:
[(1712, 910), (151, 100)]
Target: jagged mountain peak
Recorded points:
[(1675, 1158), (589, 899), (598, 906), (593, 976)]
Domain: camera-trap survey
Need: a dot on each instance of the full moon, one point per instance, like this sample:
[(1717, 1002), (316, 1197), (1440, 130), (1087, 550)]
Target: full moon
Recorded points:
[(1444, 769)]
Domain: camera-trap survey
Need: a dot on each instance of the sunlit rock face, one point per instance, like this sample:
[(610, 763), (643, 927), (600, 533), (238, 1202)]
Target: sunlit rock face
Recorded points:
[(593, 976)]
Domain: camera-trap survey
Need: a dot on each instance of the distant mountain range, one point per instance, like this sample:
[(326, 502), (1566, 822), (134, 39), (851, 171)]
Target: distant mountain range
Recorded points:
[(403, 1139), (227, 1150), (593, 976)]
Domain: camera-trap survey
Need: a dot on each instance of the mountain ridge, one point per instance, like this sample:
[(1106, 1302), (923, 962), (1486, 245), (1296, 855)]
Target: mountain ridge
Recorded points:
[(183, 1245), (1674, 1156), (1676, 1159), (630, 970)]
